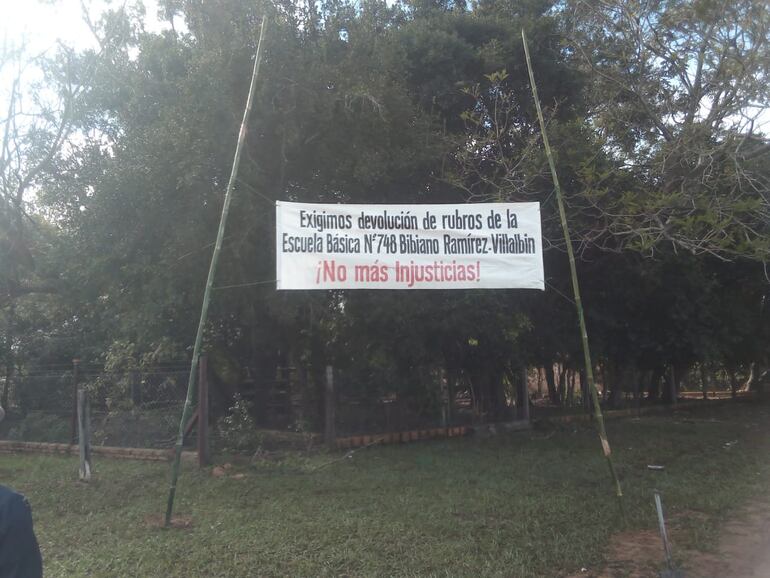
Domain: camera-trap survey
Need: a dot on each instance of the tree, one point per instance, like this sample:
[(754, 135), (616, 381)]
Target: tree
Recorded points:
[(678, 93), (369, 102), (37, 124)]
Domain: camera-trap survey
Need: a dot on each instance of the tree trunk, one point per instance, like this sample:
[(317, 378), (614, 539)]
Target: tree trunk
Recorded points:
[(498, 404), (731, 372), (604, 382), (653, 389), (673, 379), (616, 394), (7, 384), (562, 386), (523, 395), (585, 395), (616, 390), (550, 379), (705, 381), (638, 378), (682, 377), (539, 383), (750, 379), (330, 429), (452, 395), (758, 378), (9, 355), (571, 389)]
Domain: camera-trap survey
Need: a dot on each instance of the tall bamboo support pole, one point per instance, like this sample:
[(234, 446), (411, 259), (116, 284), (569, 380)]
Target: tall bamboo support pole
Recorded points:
[(210, 280), (575, 286)]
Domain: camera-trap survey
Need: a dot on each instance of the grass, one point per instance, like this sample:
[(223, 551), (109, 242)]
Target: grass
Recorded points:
[(533, 503)]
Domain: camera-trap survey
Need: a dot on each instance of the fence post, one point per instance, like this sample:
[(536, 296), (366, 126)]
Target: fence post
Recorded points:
[(330, 433), (84, 436), (203, 411), (75, 385)]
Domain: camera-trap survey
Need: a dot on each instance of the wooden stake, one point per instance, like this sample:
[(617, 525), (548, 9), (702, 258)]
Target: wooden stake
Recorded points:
[(210, 280), (84, 436), (575, 287)]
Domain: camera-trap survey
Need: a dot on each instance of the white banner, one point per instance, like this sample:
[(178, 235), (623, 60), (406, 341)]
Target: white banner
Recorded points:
[(468, 246)]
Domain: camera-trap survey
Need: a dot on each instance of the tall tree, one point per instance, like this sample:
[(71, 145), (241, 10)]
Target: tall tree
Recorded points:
[(679, 90)]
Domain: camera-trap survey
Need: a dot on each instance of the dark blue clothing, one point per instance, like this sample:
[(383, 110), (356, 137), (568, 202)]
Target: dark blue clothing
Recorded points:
[(19, 552)]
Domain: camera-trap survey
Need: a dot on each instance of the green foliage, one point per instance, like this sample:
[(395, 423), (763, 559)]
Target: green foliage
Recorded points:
[(113, 386), (677, 89), (415, 102), (237, 430), (37, 426)]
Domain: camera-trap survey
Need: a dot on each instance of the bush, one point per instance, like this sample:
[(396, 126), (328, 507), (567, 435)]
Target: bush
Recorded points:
[(237, 430), (39, 426)]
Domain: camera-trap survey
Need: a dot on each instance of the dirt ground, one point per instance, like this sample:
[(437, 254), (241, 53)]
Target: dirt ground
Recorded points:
[(743, 551), (744, 547)]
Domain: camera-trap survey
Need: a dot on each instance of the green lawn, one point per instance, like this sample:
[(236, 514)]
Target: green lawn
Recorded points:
[(533, 503)]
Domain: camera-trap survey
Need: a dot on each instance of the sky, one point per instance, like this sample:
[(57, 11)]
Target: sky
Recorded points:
[(38, 25), (41, 23)]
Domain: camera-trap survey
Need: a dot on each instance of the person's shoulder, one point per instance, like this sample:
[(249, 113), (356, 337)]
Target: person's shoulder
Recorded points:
[(8, 496), (6, 493)]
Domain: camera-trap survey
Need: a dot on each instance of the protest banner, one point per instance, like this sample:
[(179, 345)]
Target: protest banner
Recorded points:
[(467, 246)]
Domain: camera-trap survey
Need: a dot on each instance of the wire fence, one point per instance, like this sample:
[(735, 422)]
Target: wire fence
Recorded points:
[(141, 407), (129, 408), (362, 411)]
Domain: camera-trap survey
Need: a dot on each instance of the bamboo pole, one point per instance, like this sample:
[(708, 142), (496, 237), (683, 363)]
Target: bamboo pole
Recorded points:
[(210, 280), (575, 286), (203, 412)]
